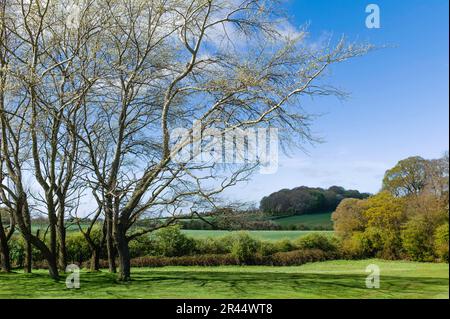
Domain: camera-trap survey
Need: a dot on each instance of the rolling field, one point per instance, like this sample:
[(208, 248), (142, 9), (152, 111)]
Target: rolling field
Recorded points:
[(270, 235), (333, 279), (311, 221)]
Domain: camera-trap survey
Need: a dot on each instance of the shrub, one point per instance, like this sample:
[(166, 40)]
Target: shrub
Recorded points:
[(416, 239), (212, 246), (17, 251), (357, 246), (300, 257), (170, 242), (198, 260), (441, 242), (142, 246), (77, 247), (244, 248), (267, 248), (316, 241), (284, 245)]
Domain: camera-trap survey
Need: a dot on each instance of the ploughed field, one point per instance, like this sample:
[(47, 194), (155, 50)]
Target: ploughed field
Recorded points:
[(332, 279)]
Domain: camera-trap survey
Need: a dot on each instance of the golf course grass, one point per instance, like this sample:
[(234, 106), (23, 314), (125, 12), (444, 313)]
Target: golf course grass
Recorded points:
[(333, 279)]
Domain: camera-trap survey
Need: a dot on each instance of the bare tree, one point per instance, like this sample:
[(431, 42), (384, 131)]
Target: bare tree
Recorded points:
[(113, 100), (170, 64), (5, 235), (46, 61)]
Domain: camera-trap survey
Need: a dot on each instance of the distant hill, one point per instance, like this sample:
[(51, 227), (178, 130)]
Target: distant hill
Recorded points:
[(306, 200)]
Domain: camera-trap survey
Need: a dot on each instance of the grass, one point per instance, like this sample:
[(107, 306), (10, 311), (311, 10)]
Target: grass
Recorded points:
[(270, 235), (314, 220), (334, 279)]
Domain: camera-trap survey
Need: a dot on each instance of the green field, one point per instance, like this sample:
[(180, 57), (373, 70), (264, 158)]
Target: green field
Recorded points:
[(314, 220), (271, 235), (334, 279)]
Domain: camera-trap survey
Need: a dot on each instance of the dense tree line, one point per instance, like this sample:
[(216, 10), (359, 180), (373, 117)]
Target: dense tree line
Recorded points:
[(407, 219), (307, 200)]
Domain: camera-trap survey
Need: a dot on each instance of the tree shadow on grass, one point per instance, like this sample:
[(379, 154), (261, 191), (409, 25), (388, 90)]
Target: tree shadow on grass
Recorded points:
[(205, 284)]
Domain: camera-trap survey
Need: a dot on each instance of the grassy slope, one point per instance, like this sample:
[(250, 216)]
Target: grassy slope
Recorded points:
[(335, 279), (259, 234), (313, 220)]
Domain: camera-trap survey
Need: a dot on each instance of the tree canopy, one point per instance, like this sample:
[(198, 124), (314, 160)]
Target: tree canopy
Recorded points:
[(306, 200)]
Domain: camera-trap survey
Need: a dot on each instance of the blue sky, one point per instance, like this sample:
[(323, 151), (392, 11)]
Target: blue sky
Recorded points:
[(399, 103)]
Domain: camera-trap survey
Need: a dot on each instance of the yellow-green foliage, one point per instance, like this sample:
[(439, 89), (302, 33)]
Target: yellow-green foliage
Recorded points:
[(244, 247), (442, 242), (392, 227), (418, 239)]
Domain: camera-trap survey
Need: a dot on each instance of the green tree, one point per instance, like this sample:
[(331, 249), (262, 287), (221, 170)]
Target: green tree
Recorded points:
[(349, 217), (418, 240), (442, 242), (385, 215), (408, 177)]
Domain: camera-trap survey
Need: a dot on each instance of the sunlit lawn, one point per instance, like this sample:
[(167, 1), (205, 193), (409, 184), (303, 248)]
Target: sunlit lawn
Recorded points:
[(335, 279)]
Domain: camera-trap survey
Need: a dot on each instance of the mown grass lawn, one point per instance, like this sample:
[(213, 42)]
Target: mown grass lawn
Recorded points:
[(334, 279), (270, 235)]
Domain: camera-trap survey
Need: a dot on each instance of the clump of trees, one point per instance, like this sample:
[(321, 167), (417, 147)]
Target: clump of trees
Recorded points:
[(89, 99), (306, 200), (407, 219)]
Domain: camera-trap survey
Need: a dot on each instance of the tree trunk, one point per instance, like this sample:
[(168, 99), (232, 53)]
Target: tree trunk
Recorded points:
[(95, 260), (110, 246), (48, 255), (28, 257), (52, 267), (5, 262), (62, 251), (124, 254)]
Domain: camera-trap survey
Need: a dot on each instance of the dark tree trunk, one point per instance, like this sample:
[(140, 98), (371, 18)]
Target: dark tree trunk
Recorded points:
[(48, 255), (110, 246), (53, 236), (62, 251), (5, 264), (28, 257), (124, 254), (52, 267), (95, 260)]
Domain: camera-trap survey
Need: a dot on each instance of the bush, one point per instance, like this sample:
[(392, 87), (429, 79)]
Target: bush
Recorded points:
[(357, 246), (199, 260), (441, 242), (17, 251), (244, 248), (77, 247), (267, 248), (212, 246), (284, 245), (300, 257), (316, 241), (170, 242), (416, 239), (142, 246)]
